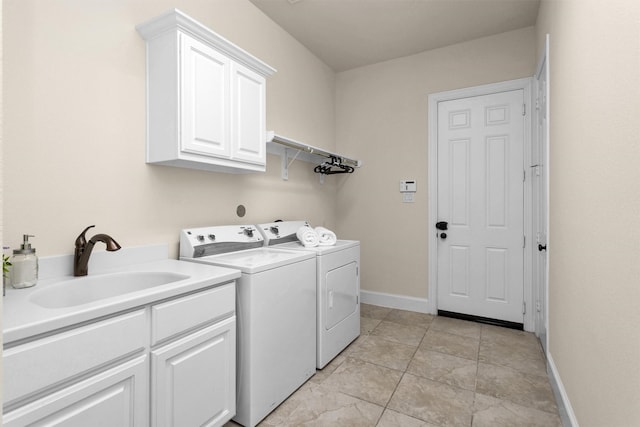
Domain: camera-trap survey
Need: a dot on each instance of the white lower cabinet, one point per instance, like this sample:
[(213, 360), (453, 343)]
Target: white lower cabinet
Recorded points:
[(116, 397), (168, 364), (193, 379)]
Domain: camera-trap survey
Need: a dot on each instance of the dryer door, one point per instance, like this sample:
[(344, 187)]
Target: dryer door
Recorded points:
[(341, 294)]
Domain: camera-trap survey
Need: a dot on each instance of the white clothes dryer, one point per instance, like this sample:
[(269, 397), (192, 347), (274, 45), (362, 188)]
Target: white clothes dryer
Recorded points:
[(337, 282), (276, 312)]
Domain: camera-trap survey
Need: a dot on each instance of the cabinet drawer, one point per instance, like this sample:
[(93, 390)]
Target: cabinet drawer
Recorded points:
[(42, 363), (173, 317)]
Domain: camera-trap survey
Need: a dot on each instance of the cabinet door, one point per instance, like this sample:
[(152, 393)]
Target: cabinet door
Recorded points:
[(194, 378), (204, 121), (117, 397), (248, 115)]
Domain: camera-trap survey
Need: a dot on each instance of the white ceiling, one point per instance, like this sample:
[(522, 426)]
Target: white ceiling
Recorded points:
[(347, 34)]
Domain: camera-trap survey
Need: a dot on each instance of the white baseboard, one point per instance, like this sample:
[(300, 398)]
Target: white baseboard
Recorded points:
[(401, 302), (562, 400)]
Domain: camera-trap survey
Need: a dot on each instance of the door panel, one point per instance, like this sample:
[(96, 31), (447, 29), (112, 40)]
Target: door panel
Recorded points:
[(342, 292), (204, 119), (497, 175), (481, 195), (497, 272), (248, 105), (539, 168), (194, 380), (116, 397), (459, 181), (459, 266)]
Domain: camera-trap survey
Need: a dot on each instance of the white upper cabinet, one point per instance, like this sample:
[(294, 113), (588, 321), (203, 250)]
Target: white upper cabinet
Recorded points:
[(206, 98)]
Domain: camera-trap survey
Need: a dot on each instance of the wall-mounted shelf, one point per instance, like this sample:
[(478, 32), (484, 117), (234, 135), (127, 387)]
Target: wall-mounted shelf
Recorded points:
[(291, 149)]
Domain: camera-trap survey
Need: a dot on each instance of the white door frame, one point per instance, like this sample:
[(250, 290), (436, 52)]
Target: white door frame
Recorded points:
[(434, 98)]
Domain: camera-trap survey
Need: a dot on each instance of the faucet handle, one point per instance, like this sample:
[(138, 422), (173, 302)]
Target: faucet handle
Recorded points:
[(81, 240)]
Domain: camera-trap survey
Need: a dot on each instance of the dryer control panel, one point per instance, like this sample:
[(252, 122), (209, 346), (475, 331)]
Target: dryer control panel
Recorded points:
[(281, 231)]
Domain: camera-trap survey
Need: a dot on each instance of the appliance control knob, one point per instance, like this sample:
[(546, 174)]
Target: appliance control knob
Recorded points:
[(200, 238), (248, 232), (212, 237), (274, 230)]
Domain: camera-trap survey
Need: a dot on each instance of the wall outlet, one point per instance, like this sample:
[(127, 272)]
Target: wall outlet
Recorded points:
[(407, 197)]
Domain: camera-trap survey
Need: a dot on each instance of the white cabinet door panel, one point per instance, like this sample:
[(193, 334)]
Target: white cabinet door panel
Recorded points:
[(206, 359), (205, 102), (248, 115), (117, 397)]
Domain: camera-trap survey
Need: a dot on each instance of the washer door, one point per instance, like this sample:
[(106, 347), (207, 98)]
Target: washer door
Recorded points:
[(341, 294)]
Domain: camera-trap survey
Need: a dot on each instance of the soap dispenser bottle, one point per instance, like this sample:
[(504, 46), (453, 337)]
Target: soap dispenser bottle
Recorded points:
[(24, 271)]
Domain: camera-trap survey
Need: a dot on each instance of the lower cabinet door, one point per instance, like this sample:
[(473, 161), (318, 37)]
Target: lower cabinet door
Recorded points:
[(193, 379), (116, 397)]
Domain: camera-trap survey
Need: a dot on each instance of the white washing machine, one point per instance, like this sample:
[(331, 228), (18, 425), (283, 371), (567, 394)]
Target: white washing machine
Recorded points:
[(276, 312), (338, 287)]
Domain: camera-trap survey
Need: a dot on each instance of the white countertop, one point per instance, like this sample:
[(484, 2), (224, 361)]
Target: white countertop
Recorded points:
[(23, 318)]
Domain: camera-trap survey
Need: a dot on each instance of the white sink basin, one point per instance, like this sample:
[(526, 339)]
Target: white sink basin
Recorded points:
[(83, 290)]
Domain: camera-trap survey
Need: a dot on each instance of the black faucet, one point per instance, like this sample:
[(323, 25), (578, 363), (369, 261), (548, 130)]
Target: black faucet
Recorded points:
[(84, 248)]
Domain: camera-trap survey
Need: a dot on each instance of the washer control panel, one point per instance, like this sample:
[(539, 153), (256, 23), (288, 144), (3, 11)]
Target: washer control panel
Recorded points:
[(204, 241)]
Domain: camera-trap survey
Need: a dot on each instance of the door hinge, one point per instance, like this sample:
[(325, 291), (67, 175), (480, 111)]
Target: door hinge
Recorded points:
[(524, 241), (524, 307), (537, 103), (524, 176), (524, 109)]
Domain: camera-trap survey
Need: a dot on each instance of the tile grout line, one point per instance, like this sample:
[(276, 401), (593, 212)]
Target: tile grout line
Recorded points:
[(475, 386), (404, 372)]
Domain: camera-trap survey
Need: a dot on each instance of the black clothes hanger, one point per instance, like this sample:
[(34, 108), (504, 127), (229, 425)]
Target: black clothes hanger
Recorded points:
[(332, 167)]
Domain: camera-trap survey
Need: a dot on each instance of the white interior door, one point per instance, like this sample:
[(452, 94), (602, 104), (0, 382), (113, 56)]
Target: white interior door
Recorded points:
[(480, 195), (540, 197)]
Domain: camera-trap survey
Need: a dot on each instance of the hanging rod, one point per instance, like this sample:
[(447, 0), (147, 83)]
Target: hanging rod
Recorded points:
[(309, 150)]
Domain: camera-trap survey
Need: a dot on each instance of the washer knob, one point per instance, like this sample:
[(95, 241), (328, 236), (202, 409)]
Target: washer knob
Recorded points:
[(248, 232), (274, 230), (200, 238), (212, 237)]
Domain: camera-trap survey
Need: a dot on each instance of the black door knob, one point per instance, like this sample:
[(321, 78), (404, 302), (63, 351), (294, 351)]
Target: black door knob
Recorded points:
[(443, 235), (541, 247), (442, 225)]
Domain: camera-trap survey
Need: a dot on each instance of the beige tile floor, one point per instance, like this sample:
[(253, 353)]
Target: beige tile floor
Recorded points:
[(413, 369)]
